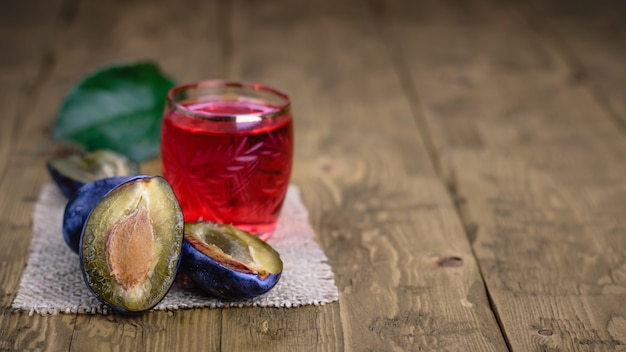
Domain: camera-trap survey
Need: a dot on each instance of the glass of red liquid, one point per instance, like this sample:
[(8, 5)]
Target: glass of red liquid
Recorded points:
[(227, 150)]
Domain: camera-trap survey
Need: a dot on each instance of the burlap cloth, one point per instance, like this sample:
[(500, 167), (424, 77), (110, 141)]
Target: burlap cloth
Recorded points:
[(52, 282)]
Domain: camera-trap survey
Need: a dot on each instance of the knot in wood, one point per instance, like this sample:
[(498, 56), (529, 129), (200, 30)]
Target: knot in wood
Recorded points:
[(450, 262), (545, 332)]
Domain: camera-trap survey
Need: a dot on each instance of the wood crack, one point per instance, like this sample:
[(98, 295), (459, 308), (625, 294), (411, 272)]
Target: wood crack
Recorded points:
[(403, 72)]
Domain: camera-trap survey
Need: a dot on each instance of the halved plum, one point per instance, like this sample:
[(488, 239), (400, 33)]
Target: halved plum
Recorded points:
[(131, 244), (82, 203), (70, 172), (227, 262)]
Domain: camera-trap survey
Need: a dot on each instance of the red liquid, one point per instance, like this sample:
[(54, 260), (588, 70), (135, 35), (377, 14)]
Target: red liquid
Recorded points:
[(233, 173)]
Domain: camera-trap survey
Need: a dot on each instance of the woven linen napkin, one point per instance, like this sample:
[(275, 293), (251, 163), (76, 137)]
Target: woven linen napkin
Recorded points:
[(52, 282)]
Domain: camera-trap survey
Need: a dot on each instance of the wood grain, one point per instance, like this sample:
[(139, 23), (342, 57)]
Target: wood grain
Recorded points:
[(25, 66), (549, 262), (24, 69), (21, 332), (384, 219), (309, 328), (539, 178), (85, 36), (185, 330)]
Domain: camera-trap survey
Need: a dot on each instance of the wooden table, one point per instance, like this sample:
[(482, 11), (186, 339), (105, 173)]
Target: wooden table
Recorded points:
[(463, 163)]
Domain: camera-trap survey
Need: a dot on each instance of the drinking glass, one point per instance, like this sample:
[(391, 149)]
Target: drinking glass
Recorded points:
[(227, 150)]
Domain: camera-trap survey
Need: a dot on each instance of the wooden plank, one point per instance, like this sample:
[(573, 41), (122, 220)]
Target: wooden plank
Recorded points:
[(310, 328), (21, 332), (539, 180), (384, 219), (89, 35), (549, 253), (184, 330), (25, 65)]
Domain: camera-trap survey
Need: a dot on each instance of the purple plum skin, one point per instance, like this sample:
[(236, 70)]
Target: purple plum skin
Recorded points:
[(82, 203), (68, 186), (220, 281)]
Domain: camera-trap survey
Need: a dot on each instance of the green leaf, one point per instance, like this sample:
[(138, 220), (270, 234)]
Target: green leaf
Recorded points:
[(119, 108)]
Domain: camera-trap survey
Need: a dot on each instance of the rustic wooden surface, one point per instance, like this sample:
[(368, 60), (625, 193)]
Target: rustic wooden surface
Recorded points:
[(463, 162)]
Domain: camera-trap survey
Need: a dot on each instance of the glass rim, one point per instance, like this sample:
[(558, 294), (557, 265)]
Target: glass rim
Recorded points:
[(277, 110)]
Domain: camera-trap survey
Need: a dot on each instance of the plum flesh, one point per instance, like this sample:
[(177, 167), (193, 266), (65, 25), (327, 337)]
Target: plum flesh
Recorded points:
[(71, 172), (131, 244)]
